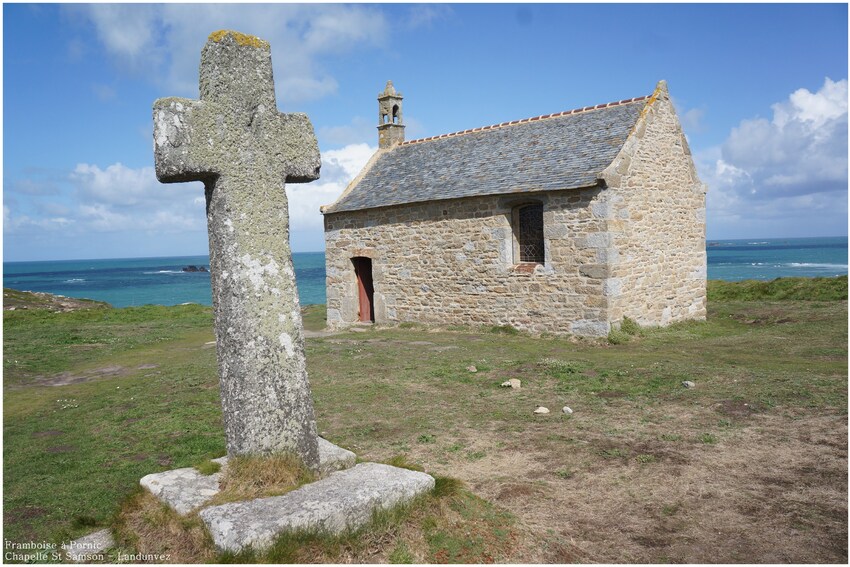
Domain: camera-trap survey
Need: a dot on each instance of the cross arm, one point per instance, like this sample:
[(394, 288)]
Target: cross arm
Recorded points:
[(179, 129), (296, 146)]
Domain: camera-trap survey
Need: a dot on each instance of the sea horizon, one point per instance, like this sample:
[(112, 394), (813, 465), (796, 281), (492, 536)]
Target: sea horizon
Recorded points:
[(753, 238), (164, 280)]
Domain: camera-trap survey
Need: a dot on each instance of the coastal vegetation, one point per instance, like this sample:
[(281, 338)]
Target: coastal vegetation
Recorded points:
[(750, 463), (801, 289)]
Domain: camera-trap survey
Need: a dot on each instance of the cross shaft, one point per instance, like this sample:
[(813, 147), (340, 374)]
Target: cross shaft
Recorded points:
[(244, 150)]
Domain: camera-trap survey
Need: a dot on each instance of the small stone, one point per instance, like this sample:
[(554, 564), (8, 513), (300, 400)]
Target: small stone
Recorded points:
[(688, 384), (472, 368), (512, 383), (90, 548), (541, 410), (567, 410)]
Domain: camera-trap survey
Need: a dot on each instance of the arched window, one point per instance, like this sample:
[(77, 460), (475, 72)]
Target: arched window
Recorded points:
[(395, 114), (528, 227)]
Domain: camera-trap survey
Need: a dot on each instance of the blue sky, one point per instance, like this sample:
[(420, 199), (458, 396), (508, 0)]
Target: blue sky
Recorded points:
[(761, 91)]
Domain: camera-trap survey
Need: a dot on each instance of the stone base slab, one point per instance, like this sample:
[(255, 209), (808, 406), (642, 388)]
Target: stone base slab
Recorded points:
[(342, 501), (182, 489), (187, 489), (90, 548), (334, 458)]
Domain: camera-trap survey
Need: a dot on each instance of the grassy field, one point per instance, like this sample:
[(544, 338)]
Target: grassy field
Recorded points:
[(749, 465)]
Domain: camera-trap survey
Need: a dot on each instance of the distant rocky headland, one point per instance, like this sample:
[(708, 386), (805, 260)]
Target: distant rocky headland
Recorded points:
[(195, 269), (14, 300)]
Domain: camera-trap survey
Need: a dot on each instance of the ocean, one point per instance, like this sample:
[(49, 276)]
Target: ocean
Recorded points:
[(162, 281)]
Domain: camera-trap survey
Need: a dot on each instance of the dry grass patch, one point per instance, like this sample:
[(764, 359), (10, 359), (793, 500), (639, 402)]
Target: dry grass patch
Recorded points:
[(249, 477), (144, 525)]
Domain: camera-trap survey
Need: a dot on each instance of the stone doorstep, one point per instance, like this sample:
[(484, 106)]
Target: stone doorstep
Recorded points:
[(344, 500), (187, 489)]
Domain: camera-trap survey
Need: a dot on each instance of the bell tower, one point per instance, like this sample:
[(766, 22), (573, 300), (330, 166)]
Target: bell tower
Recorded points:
[(390, 123)]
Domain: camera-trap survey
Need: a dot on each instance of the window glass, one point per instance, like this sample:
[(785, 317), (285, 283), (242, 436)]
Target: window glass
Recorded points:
[(531, 234)]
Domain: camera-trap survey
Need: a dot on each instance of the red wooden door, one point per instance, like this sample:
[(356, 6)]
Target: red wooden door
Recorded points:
[(365, 289)]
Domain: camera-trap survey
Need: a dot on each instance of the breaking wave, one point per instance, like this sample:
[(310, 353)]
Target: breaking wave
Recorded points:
[(814, 265), (164, 272)]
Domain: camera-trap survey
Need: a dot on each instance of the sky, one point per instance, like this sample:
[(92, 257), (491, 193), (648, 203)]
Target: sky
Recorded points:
[(761, 91)]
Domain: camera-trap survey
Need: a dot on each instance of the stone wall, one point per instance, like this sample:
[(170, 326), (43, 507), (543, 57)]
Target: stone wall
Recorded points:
[(655, 206), (452, 262), (635, 248)]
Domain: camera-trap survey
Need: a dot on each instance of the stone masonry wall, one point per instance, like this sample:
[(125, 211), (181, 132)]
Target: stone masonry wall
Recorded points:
[(452, 262), (655, 206), (633, 249)]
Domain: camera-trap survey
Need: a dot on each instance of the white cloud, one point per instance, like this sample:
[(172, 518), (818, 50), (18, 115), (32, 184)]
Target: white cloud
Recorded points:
[(113, 199), (24, 223), (115, 185), (53, 209), (692, 120), (122, 201), (339, 167), (164, 40), (803, 150), (102, 218), (33, 186), (127, 31), (817, 109), (358, 131), (785, 176), (347, 162), (424, 15), (297, 88)]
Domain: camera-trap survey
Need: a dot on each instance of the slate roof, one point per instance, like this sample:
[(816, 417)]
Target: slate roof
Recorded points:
[(557, 151)]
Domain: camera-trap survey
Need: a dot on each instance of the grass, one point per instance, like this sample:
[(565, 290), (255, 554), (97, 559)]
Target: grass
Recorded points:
[(504, 330), (628, 328), (208, 467), (799, 289), (41, 342), (249, 477), (749, 464), (313, 317)]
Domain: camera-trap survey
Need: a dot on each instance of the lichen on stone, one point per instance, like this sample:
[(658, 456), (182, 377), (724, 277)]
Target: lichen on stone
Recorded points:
[(240, 38)]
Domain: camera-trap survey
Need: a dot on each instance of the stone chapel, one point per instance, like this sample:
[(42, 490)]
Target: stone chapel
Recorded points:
[(564, 223)]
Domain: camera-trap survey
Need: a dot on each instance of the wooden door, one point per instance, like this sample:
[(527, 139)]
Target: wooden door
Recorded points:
[(365, 289)]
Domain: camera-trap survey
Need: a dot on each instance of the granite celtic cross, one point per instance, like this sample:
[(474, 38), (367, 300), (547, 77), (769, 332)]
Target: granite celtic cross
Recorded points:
[(244, 150)]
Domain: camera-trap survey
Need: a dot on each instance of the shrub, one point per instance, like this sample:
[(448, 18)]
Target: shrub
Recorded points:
[(630, 326)]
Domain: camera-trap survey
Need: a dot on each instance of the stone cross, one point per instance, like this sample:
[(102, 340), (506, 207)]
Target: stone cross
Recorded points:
[(244, 150)]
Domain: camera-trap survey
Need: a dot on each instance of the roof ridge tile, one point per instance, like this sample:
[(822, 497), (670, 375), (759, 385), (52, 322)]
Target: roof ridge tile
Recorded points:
[(525, 120)]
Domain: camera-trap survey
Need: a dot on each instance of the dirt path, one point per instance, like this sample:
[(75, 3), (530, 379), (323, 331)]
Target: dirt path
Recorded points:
[(772, 494)]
